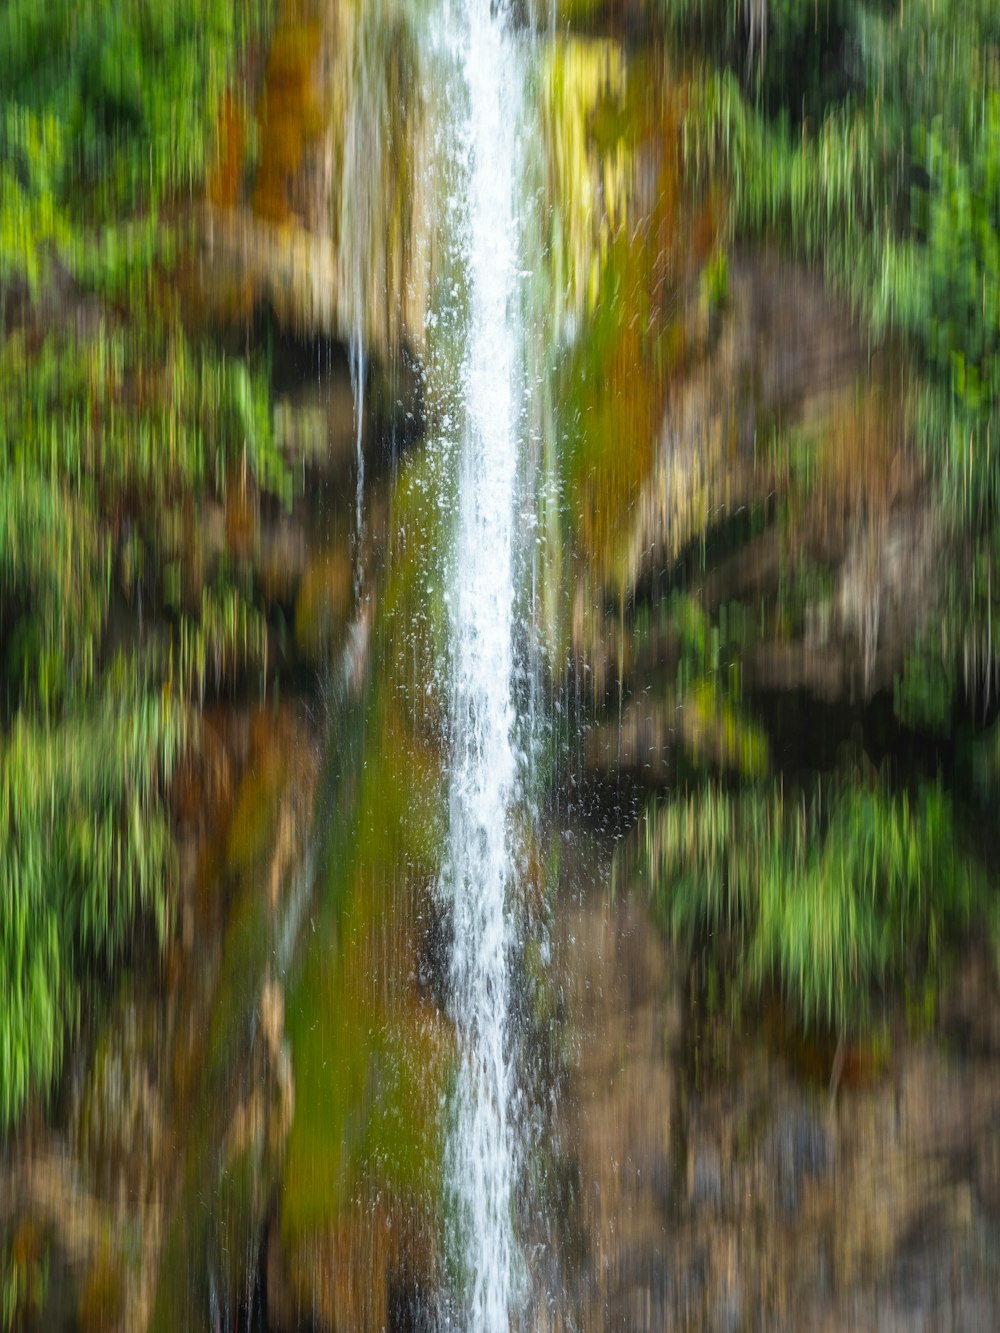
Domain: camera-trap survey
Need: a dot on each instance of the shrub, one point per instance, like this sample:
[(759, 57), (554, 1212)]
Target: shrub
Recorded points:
[(827, 899), (84, 847)]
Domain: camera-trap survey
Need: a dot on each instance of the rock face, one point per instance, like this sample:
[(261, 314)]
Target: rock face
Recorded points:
[(618, 1111), (774, 425), (783, 355), (331, 235), (291, 270), (185, 1090), (721, 1185)]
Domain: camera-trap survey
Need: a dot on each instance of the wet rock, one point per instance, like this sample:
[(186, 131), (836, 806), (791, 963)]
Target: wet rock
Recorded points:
[(434, 955), (340, 119), (102, 1306), (350, 1275), (876, 1210), (411, 1309), (282, 555), (797, 1150), (785, 355), (186, 1091), (642, 742), (323, 603), (62, 1258), (623, 1010), (240, 1094), (970, 1006), (986, 1174), (314, 425), (786, 350), (706, 1178)]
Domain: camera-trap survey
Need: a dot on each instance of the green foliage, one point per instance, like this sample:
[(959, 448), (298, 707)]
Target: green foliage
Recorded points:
[(228, 637), (715, 25), (813, 193), (828, 900), (51, 560), (32, 223), (924, 693), (84, 847), (929, 59), (896, 186), (936, 73), (136, 84), (781, 48), (713, 726), (115, 425), (142, 409), (98, 438), (880, 157), (957, 219), (109, 117)]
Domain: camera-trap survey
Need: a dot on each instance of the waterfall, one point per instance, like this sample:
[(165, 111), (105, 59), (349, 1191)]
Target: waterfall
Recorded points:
[(479, 878)]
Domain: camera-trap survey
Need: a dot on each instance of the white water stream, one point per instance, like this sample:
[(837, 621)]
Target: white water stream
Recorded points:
[(478, 884)]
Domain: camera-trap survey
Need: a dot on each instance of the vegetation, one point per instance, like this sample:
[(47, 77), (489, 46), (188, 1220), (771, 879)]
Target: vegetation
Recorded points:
[(128, 92), (713, 728), (85, 847), (115, 423), (827, 898), (891, 176), (865, 137)]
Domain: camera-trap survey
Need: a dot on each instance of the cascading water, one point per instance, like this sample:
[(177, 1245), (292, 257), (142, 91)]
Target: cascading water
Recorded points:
[(466, 232), (478, 883)]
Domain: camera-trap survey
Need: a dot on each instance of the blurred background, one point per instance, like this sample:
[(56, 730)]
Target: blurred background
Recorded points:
[(754, 928)]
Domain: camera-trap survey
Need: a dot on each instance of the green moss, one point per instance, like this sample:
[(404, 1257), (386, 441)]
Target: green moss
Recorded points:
[(366, 1059), (369, 1054), (618, 270), (366, 1110)]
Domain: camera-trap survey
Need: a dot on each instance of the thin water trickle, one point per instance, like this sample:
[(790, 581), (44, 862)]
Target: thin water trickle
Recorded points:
[(357, 369)]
